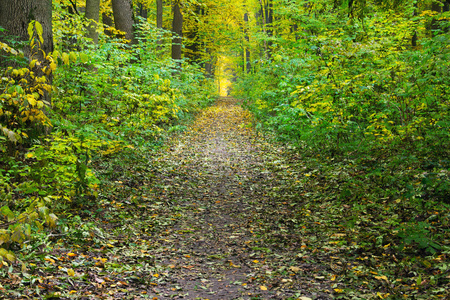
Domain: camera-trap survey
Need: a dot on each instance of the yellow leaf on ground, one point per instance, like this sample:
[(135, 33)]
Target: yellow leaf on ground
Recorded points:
[(295, 269), (381, 278), (263, 288), (70, 272)]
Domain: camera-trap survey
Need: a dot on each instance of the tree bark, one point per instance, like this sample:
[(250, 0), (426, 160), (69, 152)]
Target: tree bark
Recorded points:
[(269, 26), (193, 43), (15, 15), (123, 18), (159, 22), (177, 33), (142, 11), (247, 64), (93, 14)]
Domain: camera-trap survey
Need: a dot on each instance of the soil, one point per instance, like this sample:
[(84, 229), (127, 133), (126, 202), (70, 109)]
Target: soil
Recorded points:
[(225, 199), (206, 217)]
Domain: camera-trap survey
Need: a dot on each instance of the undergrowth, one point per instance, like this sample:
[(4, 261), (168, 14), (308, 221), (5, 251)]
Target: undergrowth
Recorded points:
[(66, 115), (366, 117)]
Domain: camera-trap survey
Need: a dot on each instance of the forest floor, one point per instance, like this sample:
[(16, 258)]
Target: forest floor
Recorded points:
[(215, 214)]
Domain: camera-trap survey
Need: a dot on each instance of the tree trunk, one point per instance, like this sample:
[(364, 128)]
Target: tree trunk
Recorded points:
[(159, 22), (193, 43), (107, 20), (142, 11), (15, 15), (177, 33), (93, 13), (123, 18), (269, 26), (247, 64)]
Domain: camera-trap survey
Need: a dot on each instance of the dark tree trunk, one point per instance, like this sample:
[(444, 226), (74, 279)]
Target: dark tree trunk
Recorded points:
[(414, 37), (15, 15), (123, 18), (142, 11), (107, 20), (177, 29), (247, 64), (93, 13), (436, 25), (193, 43), (72, 8), (269, 25), (159, 21)]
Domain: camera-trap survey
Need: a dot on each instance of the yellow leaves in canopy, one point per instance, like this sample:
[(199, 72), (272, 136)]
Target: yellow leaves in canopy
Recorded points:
[(65, 58), (31, 100)]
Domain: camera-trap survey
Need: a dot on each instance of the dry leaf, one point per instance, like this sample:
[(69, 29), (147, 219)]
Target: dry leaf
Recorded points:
[(295, 269)]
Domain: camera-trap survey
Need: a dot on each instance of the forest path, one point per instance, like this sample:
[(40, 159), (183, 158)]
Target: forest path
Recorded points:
[(212, 215), (217, 175)]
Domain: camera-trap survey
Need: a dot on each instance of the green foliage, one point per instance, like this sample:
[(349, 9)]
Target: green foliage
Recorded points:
[(368, 113), (104, 99), (22, 89)]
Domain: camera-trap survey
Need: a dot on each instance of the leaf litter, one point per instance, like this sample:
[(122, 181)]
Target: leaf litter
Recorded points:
[(220, 212)]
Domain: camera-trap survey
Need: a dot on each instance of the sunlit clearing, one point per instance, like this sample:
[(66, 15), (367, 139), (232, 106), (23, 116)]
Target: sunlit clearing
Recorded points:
[(224, 75)]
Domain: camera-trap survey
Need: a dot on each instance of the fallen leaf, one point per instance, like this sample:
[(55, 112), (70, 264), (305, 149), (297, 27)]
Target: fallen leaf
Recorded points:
[(295, 269), (263, 288), (381, 277)]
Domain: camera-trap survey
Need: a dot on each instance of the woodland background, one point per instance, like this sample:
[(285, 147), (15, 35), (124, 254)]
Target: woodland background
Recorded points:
[(358, 89)]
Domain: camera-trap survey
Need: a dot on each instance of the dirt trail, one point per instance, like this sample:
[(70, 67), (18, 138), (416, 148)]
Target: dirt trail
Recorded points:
[(217, 175), (209, 217)]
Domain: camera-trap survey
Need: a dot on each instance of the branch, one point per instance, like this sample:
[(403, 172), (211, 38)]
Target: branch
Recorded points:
[(74, 6)]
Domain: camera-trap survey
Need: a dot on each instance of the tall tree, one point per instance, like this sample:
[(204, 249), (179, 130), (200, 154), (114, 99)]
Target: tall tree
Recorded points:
[(123, 18), (93, 13), (247, 64), (15, 15), (159, 21), (267, 20), (177, 33), (193, 42), (142, 11)]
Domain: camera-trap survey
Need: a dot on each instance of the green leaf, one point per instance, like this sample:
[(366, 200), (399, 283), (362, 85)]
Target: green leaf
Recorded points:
[(10, 256), (18, 234), (7, 254), (19, 90), (73, 57), (84, 57), (4, 236), (6, 212), (65, 58), (51, 220)]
